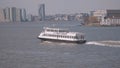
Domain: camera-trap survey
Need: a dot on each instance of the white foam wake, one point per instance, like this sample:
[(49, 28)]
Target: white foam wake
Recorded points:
[(57, 43), (109, 43)]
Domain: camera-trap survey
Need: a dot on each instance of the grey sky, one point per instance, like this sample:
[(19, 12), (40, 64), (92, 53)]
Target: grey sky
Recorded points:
[(62, 6)]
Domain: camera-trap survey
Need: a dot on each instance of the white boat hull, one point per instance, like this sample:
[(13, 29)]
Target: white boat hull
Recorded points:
[(61, 40)]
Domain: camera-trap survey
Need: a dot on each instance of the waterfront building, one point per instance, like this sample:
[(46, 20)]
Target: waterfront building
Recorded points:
[(18, 15), (99, 14), (23, 15), (71, 17), (110, 21), (7, 14), (10, 14), (81, 17), (13, 14), (2, 18), (106, 13), (91, 13), (65, 17), (36, 18), (49, 18), (42, 12), (29, 17), (108, 17), (113, 13)]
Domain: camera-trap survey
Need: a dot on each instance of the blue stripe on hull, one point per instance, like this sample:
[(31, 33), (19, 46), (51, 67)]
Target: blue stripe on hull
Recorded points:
[(57, 40)]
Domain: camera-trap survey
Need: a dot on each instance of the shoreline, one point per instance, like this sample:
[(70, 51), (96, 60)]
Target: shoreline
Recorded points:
[(98, 25)]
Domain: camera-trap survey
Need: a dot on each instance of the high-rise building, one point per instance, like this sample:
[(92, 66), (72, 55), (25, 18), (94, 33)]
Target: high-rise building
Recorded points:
[(2, 15), (42, 12), (7, 14), (18, 15), (23, 15), (14, 14), (10, 14)]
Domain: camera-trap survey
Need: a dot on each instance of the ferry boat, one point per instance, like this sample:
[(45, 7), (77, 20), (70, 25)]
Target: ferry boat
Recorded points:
[(61, 35)]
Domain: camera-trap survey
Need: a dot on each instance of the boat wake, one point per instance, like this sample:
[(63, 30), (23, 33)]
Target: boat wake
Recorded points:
[(57, 43), (109, 43)]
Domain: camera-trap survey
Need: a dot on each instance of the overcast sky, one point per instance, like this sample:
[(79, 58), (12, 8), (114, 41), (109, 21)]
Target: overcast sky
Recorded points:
[(61, 6)]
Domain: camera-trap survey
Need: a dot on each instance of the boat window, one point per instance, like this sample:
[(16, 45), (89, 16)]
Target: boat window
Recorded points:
[(82, 37), (76, 37), (43, 34), (68, 36), (72, 37), (47, 30)]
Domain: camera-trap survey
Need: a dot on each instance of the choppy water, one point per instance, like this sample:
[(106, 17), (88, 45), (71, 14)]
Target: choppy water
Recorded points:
[(20, 48)]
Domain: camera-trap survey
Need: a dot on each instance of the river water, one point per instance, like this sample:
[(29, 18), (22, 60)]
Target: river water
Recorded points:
[(20, 48)]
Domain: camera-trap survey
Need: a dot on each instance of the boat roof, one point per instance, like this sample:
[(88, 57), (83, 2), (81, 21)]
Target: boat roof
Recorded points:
[(74, 34), (63, 31), (57, 29)]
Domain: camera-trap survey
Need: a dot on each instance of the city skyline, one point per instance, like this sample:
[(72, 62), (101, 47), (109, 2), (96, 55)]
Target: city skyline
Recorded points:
[(61, 6), (12, 14)]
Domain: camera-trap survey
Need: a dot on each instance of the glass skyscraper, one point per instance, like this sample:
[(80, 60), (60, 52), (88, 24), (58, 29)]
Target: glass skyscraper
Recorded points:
[(42, 12), (13, 14)]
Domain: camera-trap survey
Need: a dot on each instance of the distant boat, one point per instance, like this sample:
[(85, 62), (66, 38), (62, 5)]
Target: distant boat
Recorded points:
[(61, 35)]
